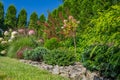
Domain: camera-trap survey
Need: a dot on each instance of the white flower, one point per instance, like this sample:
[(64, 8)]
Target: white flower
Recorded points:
[(12, 37), (1, 39), (10, 40), (65, 21), (14, 33), (4, 42), (62, 27), (78, 22), (6, 33), (3, 52), (10, 30)]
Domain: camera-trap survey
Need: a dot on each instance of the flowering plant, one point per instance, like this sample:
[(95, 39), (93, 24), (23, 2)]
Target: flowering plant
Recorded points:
[(69, 28)]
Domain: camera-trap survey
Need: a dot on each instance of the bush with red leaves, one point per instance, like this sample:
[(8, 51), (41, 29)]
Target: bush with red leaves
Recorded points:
[(21, 51)]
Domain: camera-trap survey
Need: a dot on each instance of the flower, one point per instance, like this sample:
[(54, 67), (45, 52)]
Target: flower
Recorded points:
[(78, 22), (65, 21), (62, 27), (31, 32), (4, 42), (10, 30), (10, 40), (3, 52), (70, 17), (12, 37), (6, 33), (1, 39), (21, 30), (14, 33)]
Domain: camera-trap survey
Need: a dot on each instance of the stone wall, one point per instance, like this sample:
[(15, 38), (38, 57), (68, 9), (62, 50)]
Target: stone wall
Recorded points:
[(74, 72)]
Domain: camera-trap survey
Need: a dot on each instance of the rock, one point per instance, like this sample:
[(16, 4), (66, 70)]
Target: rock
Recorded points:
[(34, 63), (64, 74), (74, 72), (56, 70)]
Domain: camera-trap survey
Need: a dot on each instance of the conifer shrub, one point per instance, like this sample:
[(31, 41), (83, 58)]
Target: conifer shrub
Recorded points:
[(36, 54), (51, 43), (102, 58), (61, 57)]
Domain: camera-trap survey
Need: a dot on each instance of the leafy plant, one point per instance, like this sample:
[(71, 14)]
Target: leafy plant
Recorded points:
[(19, 44), (61, 57), (36, 54), (21, 51), (51, 43), (102, 58)]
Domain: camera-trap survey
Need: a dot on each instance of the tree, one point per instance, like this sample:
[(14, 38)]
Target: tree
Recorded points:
[(22, 19), (10, 18), (41, 26), (33, 21), (1, 15), (42, 18)]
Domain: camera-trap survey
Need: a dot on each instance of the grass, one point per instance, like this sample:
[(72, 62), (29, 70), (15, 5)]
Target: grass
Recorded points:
[(12, 69)]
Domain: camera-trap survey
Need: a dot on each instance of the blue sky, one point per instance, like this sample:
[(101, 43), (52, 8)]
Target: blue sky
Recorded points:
[(39, 6)]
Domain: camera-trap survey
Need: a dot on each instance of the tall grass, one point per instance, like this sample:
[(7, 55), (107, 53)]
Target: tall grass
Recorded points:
[(18, 44)]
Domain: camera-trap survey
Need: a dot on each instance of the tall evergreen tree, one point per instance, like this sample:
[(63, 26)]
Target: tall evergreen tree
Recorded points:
[(33, 21), (10, 18), (85, 10), (22, 19), (41, 26), (1, 15), (42, 18)]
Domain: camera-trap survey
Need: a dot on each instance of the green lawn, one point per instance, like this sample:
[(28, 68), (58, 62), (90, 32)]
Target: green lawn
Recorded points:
[(12, 69)]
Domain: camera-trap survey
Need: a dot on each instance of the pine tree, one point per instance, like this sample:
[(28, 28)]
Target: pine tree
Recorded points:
[(1, 15), (22, 19), (41, 26), (33, 21), (10, 18)]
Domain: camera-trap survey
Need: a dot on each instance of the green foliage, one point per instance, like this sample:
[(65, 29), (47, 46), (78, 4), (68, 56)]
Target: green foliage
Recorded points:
[(27, 54), (108, 22), (85, 10), (41, 27), (10, 18), (18, 44), (102, 58), (67, 43), (1, 15), (103, 34), (33, 21), (61, 57), (51, 43), (36, 54), (3, 49), (22, 19), (2, 75), (42, 18)]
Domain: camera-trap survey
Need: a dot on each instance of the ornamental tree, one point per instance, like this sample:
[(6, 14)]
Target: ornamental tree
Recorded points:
[(69, 28)]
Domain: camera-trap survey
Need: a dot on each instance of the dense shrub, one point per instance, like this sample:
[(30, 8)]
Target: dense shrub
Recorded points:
[(36, 54), (102, 58), (61, 57), (51, 43), (66, 43)]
